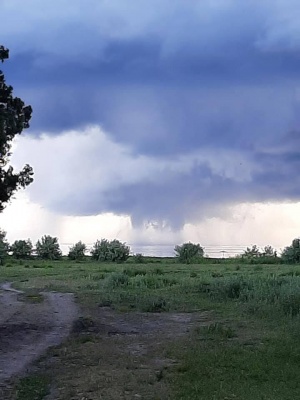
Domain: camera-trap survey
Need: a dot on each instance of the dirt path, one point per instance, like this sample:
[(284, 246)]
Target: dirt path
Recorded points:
[(27, 330), (109, 355)]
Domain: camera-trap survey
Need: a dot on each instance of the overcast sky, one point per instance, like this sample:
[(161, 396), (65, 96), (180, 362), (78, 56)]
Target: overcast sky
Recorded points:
[(157, 121)]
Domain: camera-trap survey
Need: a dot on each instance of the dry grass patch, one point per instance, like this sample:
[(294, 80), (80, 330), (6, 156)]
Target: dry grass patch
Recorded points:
[(113, 355)]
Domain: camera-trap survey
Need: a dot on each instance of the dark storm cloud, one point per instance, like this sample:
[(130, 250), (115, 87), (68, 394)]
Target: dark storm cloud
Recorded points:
[(279, 178), (202, 76), (166, 80)]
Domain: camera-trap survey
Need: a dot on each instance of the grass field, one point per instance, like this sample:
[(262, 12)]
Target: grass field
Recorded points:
[(247, 348)]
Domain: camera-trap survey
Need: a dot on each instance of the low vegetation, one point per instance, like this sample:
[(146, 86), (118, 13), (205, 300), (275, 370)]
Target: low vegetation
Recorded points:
[(244, 348), (247, 348)]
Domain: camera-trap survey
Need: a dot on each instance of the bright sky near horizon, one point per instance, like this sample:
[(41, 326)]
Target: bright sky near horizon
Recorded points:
[(157, 122)]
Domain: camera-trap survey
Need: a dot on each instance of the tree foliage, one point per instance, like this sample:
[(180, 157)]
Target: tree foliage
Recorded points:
[(14, 117), (21, 249), (251, 252), (47, 248), (138, 258), (266, 255), (268, 251), (189, 252), (291, 254), (254, 252), (77, 252), (4, 246), (113, 251)]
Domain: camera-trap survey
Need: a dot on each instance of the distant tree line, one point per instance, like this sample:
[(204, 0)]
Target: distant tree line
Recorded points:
[(47, 248), (193, 253), (290, 254)]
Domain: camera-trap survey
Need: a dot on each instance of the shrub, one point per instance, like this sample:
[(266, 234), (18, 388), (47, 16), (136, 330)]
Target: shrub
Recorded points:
[(100, 250), (154, 305), (189, 252), (138, 258), (116, 279), (268, 251), (231, 288), (291, 254), (251, 252), (215, 274), (113, 251), (290, 304), (254, 255), (77, 251), (151, 281), (48, 248), (134, 272), (217, 329), (21, 249)]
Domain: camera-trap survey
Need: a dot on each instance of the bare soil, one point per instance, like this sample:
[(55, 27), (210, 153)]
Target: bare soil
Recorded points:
[(28, 329), (112, 355), (105, 354)]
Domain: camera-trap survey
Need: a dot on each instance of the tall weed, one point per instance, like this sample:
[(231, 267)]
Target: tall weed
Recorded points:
[(115, 280)]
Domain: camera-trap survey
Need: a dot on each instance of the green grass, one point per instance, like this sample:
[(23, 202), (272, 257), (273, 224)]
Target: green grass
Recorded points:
[(34, 387), (220, 370), (216, 330), (249, 351)]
